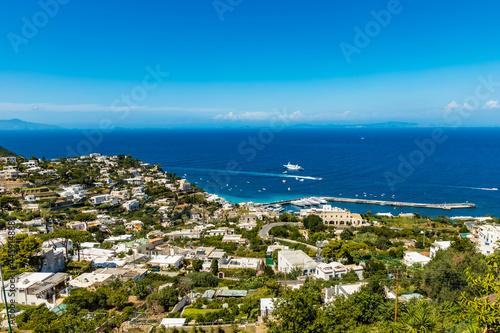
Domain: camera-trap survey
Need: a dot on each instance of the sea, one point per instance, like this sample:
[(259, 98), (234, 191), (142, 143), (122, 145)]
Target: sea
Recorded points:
[(424, 165)]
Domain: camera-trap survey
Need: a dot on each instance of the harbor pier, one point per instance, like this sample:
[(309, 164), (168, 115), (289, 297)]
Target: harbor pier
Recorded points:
[(444, 206)]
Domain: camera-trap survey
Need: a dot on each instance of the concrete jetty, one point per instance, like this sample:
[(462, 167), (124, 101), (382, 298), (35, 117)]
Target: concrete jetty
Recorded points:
[(445, 206)]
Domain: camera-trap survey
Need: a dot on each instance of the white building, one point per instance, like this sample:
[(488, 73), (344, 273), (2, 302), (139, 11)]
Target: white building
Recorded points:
[(267, 306), (73, 192), (334, 216), (58, 244), (122, 195), (238, 239), (10, 159), (135, 181), (239, 263), (330, 271), (342, 290), (184, 185), (172, 322), (289, 260), (35, 288), (103, 199), (118, 238), (131, 204), (436, 246), (488, 234), (221, 231), (166, 262), (414, 258), (189, 233)]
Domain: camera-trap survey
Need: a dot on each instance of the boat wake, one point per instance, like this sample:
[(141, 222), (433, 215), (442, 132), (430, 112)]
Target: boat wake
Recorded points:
[(476, 188), (251, 173)]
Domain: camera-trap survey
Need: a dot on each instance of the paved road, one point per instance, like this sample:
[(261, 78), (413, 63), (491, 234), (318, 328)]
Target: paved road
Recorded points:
[(265, 229), (292, 241)]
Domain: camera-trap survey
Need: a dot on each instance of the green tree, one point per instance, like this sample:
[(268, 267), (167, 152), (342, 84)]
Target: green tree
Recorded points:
[(444, 277), (84, 217), (296, 312), (214, 267), (8, 202), (417, 318), (313, 223), (197, 264), (346, 234), (25, 254), (481, 298)]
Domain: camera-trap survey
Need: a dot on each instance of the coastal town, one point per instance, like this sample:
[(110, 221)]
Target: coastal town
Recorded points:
[(115, 244)]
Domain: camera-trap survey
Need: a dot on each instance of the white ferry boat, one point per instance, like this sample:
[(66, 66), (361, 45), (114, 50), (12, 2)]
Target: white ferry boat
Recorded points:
[(294, 167)]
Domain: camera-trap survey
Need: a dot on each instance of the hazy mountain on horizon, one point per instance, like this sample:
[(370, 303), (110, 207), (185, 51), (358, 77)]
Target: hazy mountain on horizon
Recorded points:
[(18, 124)]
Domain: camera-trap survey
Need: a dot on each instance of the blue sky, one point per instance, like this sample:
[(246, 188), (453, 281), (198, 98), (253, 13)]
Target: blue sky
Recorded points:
[(242, 62)]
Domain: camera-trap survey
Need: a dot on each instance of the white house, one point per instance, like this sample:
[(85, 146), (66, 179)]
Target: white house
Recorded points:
[(166, 262), (35, 288), (59, 244), (414, 258), (330, 270), (131, 204), (172, 322), (184, 185), (436, 246), (30, 163), (103, 199), (10, 159), (267, 306), (488, 234), (342, 290), (289, 260)]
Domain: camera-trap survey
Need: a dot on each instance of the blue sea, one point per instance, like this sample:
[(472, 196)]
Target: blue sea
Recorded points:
[(427, 165)]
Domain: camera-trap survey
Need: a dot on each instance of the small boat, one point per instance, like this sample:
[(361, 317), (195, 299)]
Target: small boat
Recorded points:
[(259, 190), (301, 179), (263, 189), (494, 189), (356, 195), (283, 181), (393, 197), (248, 182), (285, 171), (294, 167), (289, 190)]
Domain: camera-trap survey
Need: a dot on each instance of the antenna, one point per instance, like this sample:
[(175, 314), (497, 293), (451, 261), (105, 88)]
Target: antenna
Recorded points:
[(5, 299)]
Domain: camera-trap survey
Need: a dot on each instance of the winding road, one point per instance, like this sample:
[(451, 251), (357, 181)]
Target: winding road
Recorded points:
[(264, 232)]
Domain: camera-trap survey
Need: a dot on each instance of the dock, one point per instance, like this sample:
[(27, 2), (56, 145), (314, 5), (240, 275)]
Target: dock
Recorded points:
[(444, 206)]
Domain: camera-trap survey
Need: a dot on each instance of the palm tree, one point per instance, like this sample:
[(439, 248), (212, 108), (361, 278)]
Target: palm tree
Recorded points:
[(417, 318)]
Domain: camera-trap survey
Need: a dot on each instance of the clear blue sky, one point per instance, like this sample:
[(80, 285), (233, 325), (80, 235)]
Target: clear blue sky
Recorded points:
[(241, 64)]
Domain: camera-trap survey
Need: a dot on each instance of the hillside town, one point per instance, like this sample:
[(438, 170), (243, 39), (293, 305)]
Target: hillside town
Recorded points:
[(115, 244)]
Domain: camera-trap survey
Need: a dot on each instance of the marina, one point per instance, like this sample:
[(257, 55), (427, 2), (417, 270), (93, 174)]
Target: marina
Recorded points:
[(311, 201)]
